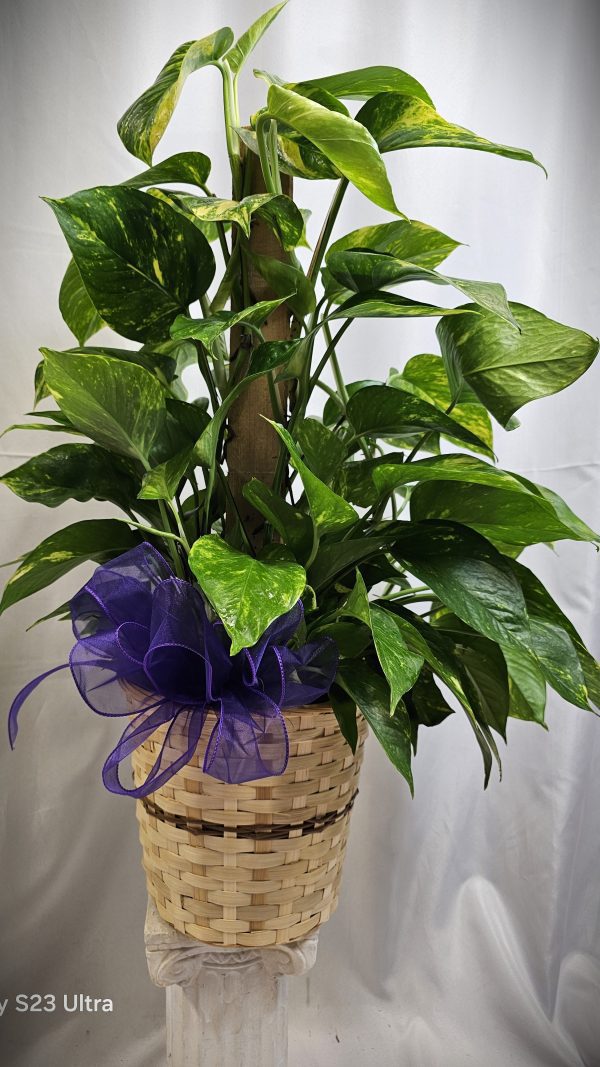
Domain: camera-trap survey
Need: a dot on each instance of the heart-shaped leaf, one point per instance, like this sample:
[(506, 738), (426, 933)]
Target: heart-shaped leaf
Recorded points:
[(117, 404), (329, 511), (346, 143), (427, 375), (143, 124), (400, 121), (209, 329), (399, 664), (75, 472), (370, 693), (469, 576), (191, 168), (507, 369), (93, 539), (508, 511), (75, 305), (369, 81), (379, 411), (366, 271), (295, 528), (141, 263), (382, 305), (278, 210), (246, 593)]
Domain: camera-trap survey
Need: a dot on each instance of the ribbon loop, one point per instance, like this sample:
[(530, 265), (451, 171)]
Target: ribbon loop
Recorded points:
[(146, 648)]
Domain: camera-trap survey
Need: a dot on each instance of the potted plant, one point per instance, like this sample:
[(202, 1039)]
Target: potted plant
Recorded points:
[(295, 559)]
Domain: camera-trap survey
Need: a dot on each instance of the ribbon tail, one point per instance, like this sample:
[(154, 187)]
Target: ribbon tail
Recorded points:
[(247, 744), (17, 704), (181, 737)]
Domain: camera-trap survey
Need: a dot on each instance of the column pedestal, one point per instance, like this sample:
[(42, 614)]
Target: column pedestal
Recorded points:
[(226, 1007)]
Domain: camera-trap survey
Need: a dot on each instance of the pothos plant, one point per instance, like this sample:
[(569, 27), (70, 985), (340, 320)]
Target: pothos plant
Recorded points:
[(385, 511)]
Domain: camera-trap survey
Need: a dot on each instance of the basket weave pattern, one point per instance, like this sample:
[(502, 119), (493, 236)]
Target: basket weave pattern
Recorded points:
[(241, 885)]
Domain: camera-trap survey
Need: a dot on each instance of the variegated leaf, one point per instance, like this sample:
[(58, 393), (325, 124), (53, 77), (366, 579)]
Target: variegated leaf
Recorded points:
[(143, 124)]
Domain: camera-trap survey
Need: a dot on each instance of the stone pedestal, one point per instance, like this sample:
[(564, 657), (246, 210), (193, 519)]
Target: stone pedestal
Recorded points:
[(226, 1007)]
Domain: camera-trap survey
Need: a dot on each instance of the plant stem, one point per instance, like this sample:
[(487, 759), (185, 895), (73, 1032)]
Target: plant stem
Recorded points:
[(325, 234), (207, 375), (329, 351), (177, 516), (232, 120), (269, 167)]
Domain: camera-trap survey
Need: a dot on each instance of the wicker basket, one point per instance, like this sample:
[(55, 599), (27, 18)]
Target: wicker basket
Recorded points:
[(255, 864)]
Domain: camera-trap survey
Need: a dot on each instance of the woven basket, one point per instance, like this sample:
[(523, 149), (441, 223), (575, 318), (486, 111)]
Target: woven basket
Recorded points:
[(255, 864)]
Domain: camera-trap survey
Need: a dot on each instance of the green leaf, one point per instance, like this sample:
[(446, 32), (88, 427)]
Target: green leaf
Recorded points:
[(351, 638), (427, 702), (192, 168), (399, 121), (161, 482), (335, 559), (144, 123), (507, 369), (323, 450), (247, 594), (382, 305), (559, 662), (484, 670), (343, 141), (438, 652), (287, 280), (369, 481), (527, 685), (237, 56), (540, 605), (369, 81), (163, 361), (209, 329), (400, 666), (329, 511), (406, 239), (370, 692), (141, 262), (501, 507), (75, 472), (117, 404), (76, 307), (367, 271), (93, 539), (469, 576), (277, 210), (561, 654), (265, 358), (380, 411), (345, 712), (294, 527), (427, 376)]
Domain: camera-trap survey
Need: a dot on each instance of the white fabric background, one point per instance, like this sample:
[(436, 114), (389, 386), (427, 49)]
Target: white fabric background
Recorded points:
[(468, 930)]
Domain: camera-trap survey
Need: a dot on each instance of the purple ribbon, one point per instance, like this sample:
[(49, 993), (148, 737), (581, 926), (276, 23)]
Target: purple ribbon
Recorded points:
[(145, 648)]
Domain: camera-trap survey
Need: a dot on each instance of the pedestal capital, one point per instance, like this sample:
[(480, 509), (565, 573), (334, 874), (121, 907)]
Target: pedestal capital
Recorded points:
[(176, 959)]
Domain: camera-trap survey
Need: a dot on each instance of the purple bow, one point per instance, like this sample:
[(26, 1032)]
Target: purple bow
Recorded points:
[(145, 648)]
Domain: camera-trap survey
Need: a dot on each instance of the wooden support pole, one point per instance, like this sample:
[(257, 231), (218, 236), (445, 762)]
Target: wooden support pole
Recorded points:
[(252, 447)]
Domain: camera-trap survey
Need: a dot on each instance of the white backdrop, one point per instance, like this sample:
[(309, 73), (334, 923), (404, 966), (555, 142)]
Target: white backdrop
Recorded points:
[(468, 930)]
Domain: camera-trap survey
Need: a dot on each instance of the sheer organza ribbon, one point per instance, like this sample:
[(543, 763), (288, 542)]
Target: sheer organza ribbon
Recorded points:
[(146, 649)]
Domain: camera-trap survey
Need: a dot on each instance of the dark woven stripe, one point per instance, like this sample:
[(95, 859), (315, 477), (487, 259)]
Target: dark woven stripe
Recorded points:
[(259, 832)]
